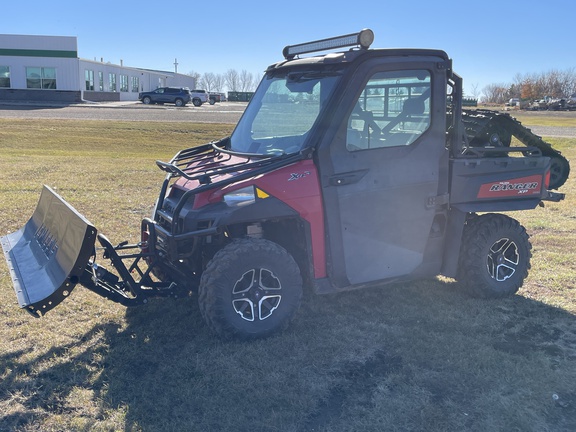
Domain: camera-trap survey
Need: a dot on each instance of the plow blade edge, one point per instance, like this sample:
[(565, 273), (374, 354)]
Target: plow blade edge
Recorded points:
[(49, 254)]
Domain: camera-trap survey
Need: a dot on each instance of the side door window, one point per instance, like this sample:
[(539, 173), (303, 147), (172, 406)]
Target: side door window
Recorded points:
[(392, 110)]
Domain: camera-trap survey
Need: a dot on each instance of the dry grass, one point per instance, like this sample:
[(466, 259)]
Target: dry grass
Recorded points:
[(408, 357)]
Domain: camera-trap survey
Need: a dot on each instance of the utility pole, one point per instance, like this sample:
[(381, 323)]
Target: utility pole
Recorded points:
[(175, 65)]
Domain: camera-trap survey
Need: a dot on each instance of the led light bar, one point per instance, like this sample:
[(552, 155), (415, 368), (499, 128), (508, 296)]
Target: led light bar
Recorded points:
[(363, 39)]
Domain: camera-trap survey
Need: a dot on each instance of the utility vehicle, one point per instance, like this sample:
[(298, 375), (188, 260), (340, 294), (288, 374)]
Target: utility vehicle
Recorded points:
[(351, 168)]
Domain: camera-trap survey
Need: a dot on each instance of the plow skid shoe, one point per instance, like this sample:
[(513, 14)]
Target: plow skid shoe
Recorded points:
[(49, 254)]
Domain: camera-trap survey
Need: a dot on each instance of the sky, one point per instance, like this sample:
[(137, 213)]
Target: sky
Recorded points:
[(490, 42)]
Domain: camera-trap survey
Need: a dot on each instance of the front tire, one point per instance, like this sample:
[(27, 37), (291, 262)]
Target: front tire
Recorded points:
[(197, 102), (146, 100), (250, 289), (179, 103), (494, 256)]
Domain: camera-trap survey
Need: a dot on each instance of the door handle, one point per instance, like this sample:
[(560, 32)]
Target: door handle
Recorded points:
[(347, 178)]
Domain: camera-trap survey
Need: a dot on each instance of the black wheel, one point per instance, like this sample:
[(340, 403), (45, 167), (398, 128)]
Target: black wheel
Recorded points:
[(212, 101), (250, 289), (499, 137), (197, 102), (494, 256), (559, 171), (179, 102), (146, 100)]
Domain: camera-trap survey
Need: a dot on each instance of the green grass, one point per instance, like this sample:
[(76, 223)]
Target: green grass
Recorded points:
[(416, 356), (559, 118)]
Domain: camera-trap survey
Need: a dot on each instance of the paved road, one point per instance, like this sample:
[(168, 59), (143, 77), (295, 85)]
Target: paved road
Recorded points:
[(224, 112)]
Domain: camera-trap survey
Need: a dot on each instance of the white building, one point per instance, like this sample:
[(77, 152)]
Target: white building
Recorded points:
[(47, 68)]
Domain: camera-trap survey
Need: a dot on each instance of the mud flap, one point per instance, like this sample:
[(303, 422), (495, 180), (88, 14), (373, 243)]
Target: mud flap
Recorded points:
[(49, 254)]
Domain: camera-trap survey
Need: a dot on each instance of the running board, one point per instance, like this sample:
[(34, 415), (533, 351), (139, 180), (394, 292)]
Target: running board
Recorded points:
[(47, 257)]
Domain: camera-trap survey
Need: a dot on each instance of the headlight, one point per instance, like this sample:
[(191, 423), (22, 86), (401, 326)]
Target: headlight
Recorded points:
[(240, 197)]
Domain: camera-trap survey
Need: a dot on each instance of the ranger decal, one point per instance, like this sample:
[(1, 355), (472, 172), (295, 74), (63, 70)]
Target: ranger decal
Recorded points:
[(521, 186)]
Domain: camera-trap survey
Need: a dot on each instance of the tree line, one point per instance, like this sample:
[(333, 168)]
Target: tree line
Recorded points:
[(231, 80), (554, 84)]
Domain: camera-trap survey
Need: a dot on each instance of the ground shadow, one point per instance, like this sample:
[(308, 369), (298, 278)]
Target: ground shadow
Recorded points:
[(358, 353)]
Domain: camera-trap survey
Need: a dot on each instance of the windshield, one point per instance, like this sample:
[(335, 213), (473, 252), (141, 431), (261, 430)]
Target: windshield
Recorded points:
[(282, 112)]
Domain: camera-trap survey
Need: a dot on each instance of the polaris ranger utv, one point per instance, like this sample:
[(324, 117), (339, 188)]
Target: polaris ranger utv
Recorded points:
[(348, 169)]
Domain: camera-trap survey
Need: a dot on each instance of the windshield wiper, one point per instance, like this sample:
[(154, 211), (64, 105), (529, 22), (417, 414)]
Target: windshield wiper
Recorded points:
[(276, 153)]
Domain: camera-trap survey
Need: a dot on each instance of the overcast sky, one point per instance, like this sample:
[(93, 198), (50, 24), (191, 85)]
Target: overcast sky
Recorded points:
[(489, 41)]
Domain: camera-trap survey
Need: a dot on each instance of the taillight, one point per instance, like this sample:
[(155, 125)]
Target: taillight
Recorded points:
[(547, 179)]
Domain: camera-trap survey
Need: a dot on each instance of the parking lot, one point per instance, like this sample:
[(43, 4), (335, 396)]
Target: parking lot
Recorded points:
[(223, 112)]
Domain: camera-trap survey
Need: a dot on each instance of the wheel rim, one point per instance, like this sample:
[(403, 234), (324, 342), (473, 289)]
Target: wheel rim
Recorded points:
[(256, 295), (503, 259)]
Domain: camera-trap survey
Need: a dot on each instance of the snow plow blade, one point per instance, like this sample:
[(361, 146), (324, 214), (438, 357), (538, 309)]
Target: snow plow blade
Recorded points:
[(49, 254)]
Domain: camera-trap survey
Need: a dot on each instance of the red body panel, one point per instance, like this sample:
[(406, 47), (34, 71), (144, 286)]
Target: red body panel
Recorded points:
[(297, 185)]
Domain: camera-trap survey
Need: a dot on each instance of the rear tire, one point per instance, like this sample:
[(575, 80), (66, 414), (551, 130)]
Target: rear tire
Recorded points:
[(250, 289), (494, 256), (197, 102)]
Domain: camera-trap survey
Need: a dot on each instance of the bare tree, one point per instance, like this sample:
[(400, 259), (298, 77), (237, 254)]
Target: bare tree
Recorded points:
[(475, 91), (232, 80), (219, 82), (495, 93), (569, 82), (197, 77), (536, 86), (246, 81), (554, 83), (208, 80)]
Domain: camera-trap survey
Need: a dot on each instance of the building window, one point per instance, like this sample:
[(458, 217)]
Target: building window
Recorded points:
[(123, 83), (41, 78), (5, 76), (89, 75), (100, 81), (135, 84), (112, 82)]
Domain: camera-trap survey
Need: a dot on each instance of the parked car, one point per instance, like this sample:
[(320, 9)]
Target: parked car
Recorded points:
[(513, 102), (178, 96), (199, 97)]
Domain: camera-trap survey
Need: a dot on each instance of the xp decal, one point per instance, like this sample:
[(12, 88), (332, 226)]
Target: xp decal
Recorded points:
[(298, 176)]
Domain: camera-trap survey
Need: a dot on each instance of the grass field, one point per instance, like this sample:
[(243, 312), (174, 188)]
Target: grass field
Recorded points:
[(416, 356)]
